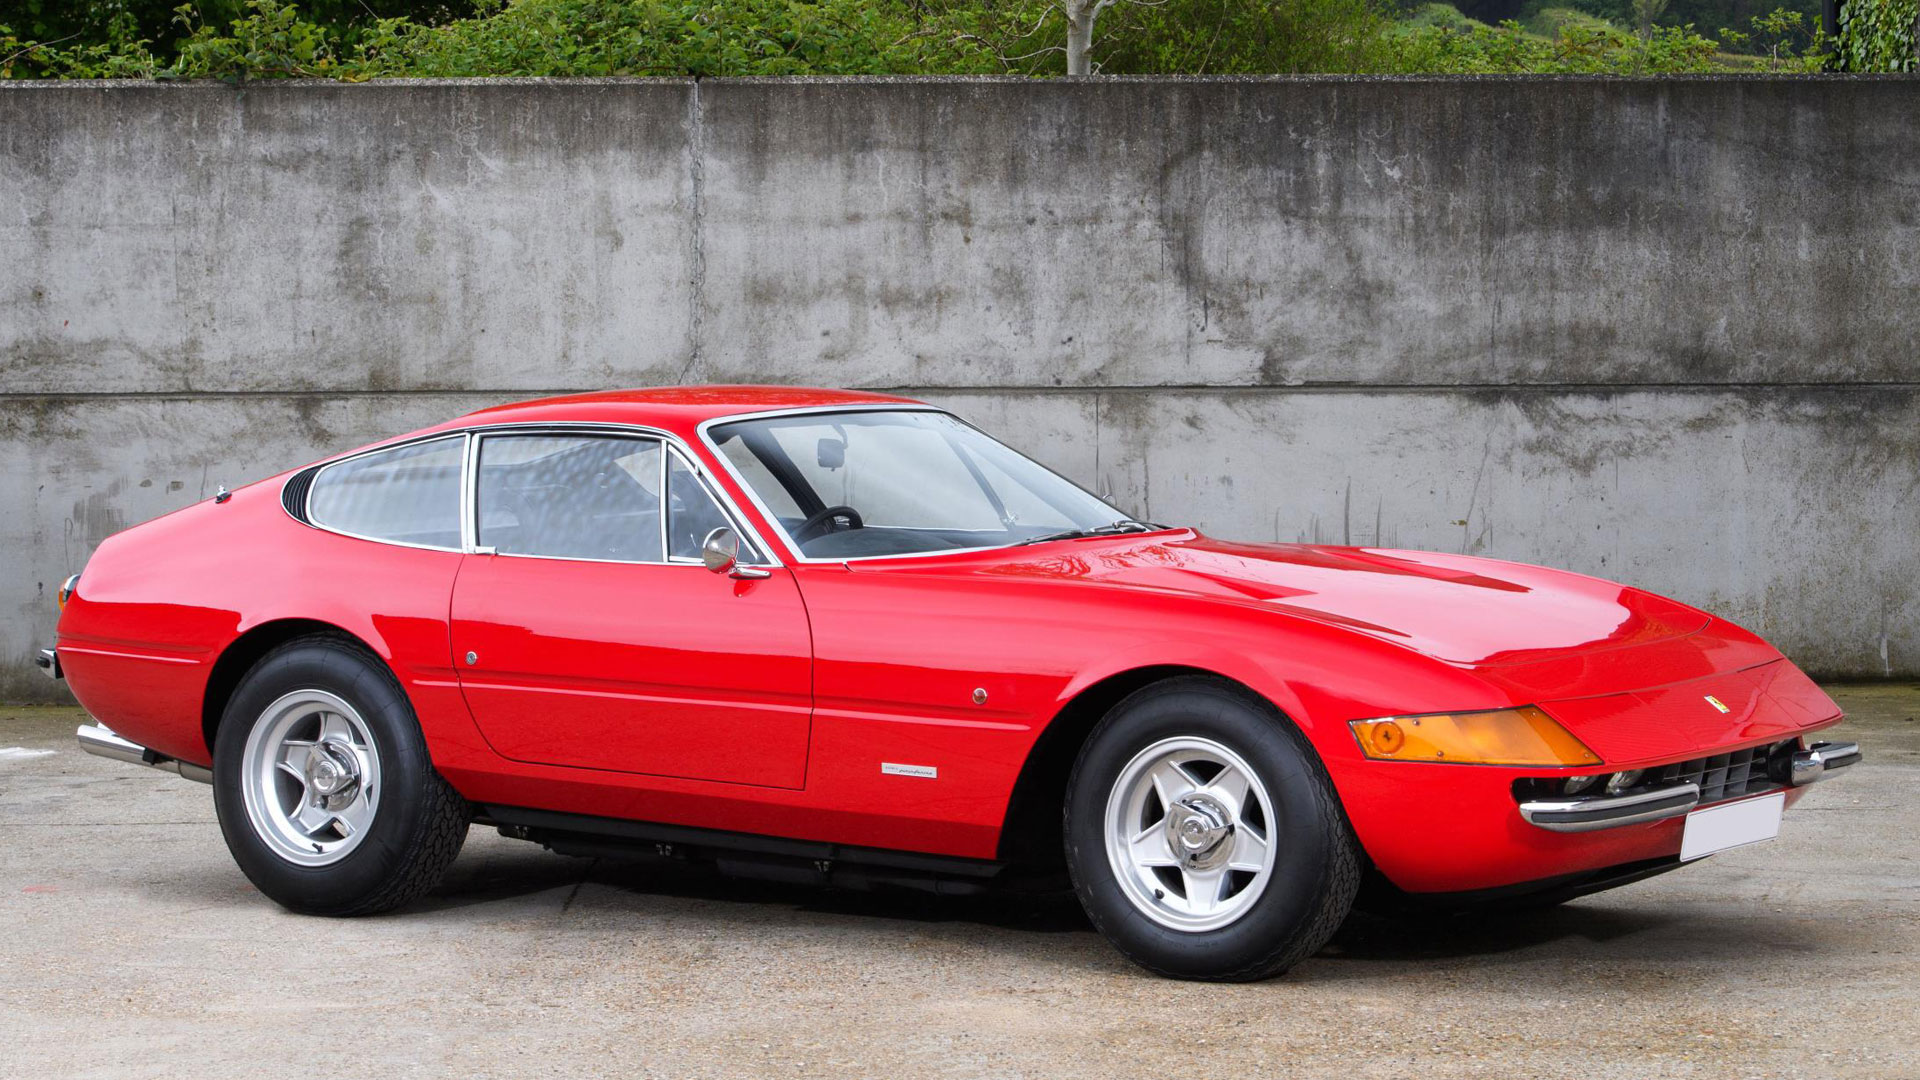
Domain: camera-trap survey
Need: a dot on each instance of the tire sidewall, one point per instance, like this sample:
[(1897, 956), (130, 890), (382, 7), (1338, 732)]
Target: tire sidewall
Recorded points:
[(404, 767), (1305, 845)]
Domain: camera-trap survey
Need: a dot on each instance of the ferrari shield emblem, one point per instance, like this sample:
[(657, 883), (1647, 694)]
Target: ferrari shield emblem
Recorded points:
[(1716, 703)]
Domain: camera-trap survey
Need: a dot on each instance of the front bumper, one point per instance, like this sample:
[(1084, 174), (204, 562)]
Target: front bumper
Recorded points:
[(1595, 812)]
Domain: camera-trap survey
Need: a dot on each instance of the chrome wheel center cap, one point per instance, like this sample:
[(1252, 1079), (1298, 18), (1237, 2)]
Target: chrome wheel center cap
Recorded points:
[(332, 773), (1197, 829)]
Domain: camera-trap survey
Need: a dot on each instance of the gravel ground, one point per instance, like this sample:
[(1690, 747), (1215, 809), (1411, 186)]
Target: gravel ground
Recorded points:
[(133, 947)]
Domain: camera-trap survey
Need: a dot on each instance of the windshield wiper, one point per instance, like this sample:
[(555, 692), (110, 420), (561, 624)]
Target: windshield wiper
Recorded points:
[(1124, 525)]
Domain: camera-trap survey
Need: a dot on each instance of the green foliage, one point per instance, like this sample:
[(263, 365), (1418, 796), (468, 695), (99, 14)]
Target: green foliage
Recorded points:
[(1580, 47), (257, 39), (120, 55), (1549, 22), (1189, 37), (1707, 17), (92, 22), (1879, 35), (1791, 41), (665, 37), (1239, 37), (1441, 15), (269, 41)]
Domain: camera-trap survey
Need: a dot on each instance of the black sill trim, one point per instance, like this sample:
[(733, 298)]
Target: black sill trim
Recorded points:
[(560, 830)]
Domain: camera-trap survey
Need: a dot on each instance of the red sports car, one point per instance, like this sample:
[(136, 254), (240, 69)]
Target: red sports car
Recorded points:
[(847, 638)]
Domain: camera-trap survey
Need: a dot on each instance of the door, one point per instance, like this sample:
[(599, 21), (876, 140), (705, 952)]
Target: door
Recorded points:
[(588, 634)]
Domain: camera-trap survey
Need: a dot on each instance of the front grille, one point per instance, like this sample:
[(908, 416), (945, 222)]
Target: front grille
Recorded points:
[(1722, 776)]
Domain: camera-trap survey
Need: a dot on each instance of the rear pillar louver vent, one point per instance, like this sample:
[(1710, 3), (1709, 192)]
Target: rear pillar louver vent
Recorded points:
[(294, 495)]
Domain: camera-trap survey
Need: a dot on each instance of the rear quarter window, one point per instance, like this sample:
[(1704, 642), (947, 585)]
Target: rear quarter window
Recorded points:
[(406, 495)]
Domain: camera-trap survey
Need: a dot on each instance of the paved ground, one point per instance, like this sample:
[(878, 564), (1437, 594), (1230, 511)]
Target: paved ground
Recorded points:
[(131, 946)]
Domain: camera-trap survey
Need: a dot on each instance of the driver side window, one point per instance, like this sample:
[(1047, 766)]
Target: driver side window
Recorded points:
[(570, 497)]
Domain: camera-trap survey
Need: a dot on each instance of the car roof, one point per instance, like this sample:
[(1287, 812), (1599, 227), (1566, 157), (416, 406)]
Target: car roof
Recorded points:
[(674, 407)]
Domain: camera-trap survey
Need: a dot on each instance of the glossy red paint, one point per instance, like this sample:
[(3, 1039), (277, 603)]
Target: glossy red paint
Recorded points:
[(569, 642), (665, 693)]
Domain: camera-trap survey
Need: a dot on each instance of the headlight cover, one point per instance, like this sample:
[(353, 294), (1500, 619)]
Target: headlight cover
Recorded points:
[(1522, 736)]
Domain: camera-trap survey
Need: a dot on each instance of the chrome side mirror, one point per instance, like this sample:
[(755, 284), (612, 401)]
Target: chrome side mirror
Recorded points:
[(720, 553)]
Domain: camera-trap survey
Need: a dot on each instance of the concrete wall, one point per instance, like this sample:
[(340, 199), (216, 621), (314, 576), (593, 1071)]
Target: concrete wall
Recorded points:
[(1659, 331)]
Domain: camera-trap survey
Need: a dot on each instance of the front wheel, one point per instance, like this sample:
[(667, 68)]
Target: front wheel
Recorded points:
[(323, 786), (1203, 836)]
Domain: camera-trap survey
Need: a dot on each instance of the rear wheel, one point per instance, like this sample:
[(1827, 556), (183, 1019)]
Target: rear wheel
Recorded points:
[(323, 786), (1203, 836)]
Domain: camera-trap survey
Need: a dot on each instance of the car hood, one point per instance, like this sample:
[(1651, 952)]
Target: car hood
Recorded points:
[(1460, 609)]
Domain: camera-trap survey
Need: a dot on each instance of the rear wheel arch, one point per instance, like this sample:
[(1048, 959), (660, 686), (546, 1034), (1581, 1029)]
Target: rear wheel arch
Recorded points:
[(1030, 832), (247, 650)]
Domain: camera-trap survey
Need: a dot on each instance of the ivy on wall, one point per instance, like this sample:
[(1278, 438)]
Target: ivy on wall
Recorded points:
[(1880, 35)]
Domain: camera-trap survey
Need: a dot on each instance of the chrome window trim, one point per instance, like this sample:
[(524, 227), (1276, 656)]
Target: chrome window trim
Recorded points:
[(306, 505), (470, 496), (664, 476), (480, 437), (752, 541), (669, 445), (704, 429)]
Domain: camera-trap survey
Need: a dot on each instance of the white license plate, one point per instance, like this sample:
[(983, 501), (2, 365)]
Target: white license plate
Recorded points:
[(1733, 825)]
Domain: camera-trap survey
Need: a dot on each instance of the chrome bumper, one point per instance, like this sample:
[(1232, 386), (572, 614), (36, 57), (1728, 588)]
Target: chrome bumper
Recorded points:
[(102, 742), (1610, 811), (48, 661), (1816, 762), (1821, 760)]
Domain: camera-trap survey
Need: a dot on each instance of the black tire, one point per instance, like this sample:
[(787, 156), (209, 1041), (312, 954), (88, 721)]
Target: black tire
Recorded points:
[(419, 824), (1317, 865)]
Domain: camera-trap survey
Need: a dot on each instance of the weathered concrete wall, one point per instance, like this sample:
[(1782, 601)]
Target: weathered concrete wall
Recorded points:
[(1660, 331)]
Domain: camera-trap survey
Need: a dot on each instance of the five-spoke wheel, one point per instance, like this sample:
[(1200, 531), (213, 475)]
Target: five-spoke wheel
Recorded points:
[(1203, 836), (326, 793), (311, 777), (1187, 833)]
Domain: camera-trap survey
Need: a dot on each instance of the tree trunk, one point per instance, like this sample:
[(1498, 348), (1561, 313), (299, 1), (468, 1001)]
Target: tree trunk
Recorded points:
[(1080, 15)]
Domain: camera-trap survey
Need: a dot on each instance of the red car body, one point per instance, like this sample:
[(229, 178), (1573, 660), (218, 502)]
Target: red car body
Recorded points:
[(669, 695)]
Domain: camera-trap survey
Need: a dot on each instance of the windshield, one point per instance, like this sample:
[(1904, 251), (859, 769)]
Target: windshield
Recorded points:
[(859, 484)]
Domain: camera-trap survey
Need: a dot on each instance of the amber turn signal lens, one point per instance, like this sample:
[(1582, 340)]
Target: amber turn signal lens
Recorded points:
[(66, 589), (1523, 736)]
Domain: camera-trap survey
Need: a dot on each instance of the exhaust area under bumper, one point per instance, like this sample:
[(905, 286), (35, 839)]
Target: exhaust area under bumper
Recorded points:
[(102, 742)]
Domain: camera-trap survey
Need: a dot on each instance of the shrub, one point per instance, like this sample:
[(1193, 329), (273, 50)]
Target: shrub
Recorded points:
[(1879, 35)]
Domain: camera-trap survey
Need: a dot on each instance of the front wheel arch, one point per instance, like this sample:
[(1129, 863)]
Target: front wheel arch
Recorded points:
[(1030, 831), (1278, 860)]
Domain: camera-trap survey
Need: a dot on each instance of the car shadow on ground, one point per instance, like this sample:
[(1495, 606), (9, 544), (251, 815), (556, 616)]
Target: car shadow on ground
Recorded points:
[(642, 883), (1366, 939)]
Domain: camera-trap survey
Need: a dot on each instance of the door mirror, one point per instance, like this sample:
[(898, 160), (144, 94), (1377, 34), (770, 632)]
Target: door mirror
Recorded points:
[(720, 551)]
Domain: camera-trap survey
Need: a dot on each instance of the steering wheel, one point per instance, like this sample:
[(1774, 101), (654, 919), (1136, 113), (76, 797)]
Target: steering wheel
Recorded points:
[(819, 523)]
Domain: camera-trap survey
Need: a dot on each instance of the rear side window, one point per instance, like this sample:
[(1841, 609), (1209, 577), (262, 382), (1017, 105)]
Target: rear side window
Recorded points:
[(406, 495)]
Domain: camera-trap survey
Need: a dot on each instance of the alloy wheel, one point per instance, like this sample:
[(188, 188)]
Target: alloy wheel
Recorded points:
[(1188, 828), (310, 777)]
